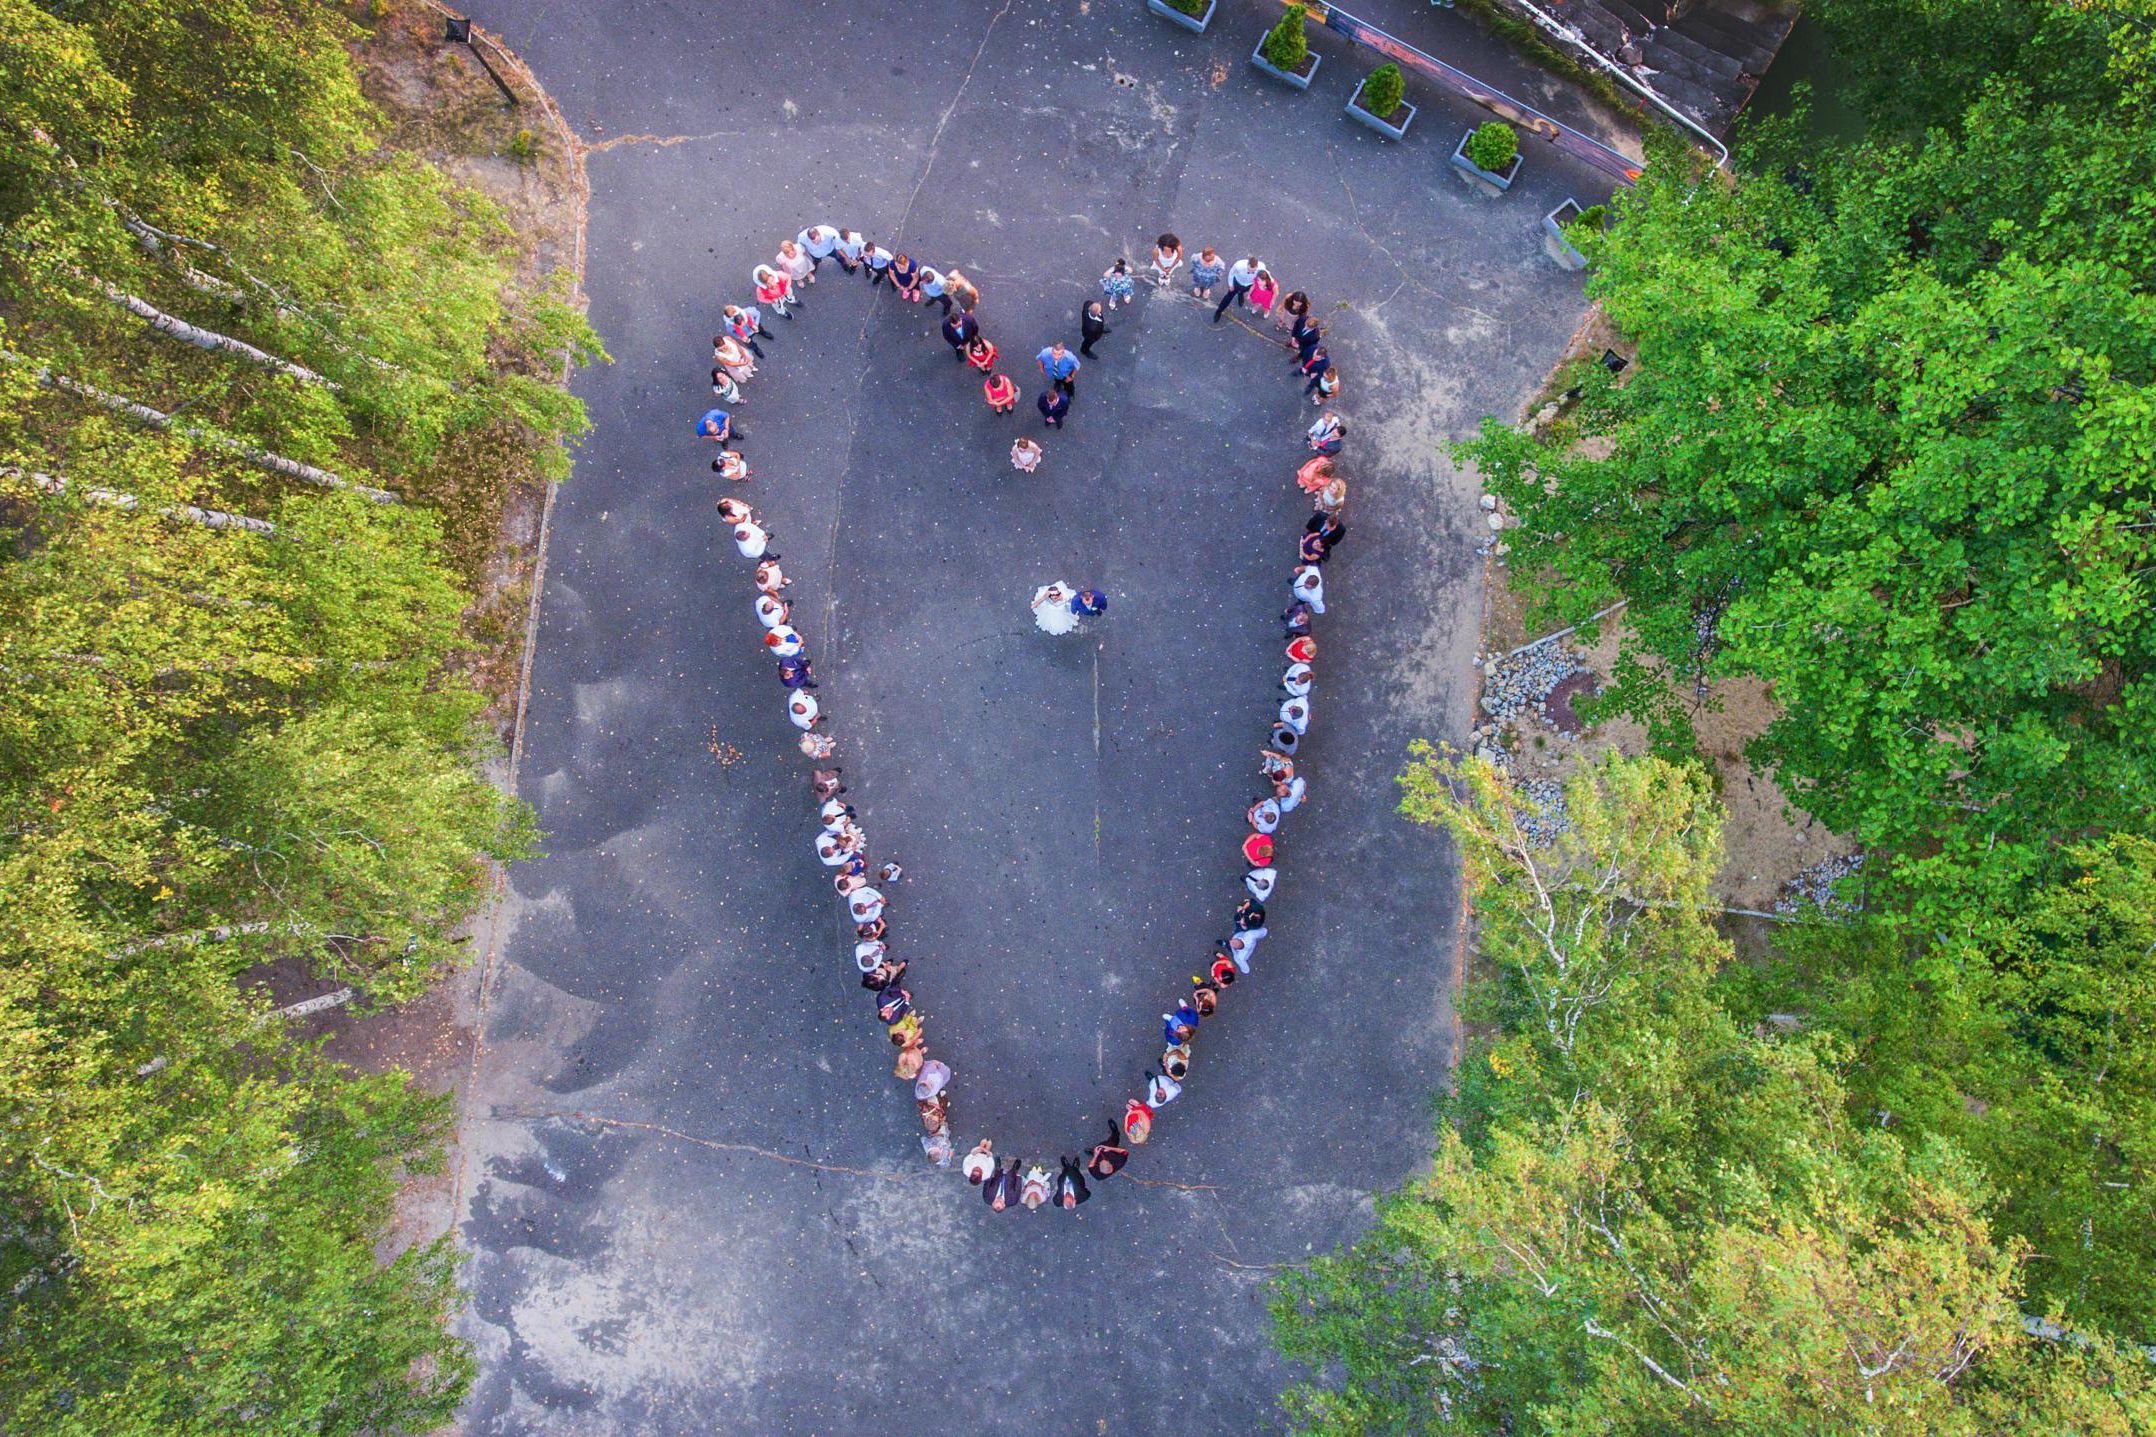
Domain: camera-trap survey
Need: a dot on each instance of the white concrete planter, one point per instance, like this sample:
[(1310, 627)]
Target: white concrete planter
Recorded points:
[(1498, 181), (1361, 116), (1195, 24), (1289, 77), (1553, 225)]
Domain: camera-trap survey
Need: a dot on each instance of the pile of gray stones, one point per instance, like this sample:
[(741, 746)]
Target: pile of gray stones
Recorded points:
[(1516, 686), (1812, 891)]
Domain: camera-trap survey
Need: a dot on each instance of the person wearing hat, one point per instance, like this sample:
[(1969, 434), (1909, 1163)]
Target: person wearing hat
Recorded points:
[(783, 641), (979, 1163), (1264, 816), (1137, 1123), (1260, 882), (1107, 1157), (1070, 1185), (1258, 847), (771, 611), (803, 709)]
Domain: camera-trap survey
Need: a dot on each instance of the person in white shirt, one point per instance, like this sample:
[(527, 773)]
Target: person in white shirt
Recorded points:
[(1167, 259), (836, 813), (772, 611), (1297, 679), (833, 849), (849, 249), (878, 260), (1291, 793), (752, 539), (1260, 882), (933, 287), (1244, 946), (783, 642), (867, 955), (770, 577), (979, 1163), (1309, 586), (1241, 276), (1295, 713), (802, 709), (865, 904)]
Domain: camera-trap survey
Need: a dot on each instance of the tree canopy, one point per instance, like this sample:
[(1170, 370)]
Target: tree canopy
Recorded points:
[(238, 341)]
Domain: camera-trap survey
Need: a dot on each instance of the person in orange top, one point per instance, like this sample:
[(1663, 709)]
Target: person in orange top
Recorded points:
[(1315, 475), (1258, 850), (981, 354), (1001, 393)]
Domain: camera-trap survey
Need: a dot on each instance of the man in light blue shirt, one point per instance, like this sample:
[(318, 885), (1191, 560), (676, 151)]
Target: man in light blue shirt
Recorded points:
[(1059, 367)]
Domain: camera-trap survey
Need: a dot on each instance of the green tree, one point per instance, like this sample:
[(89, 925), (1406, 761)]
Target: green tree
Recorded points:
[(234, 728), (1886, 446), (1646, 1215)]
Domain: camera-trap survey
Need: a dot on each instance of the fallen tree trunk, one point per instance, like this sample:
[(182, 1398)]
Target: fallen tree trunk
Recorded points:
[(119, 499), (150, 418)]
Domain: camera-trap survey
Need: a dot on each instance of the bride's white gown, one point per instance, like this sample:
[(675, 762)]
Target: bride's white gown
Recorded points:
[(1052, 608)]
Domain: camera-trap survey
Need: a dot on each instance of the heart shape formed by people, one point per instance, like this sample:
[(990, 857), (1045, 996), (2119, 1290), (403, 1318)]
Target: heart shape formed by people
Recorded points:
[(842, 846)]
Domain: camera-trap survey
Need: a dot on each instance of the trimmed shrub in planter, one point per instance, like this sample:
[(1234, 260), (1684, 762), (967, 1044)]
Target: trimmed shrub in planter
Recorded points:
[(1192, 15), (1380, 103), (1496, 142), (1284, 53)]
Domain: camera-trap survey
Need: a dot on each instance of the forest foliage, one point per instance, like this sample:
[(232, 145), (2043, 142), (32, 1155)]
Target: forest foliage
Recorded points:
[(233, 731), (1889, 445)]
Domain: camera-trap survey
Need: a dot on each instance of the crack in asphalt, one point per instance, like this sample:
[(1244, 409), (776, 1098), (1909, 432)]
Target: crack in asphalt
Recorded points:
[(597, 1120)]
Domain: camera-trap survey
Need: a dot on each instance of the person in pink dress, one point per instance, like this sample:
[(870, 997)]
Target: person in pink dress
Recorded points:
[(1264, 292)]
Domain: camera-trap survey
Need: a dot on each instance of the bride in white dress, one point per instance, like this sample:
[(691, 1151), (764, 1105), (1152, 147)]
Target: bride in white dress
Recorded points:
[(1052, 608)]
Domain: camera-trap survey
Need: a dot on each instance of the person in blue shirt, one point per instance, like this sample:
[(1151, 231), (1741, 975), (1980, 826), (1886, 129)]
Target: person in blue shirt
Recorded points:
[(1059, 367), (719, 425)]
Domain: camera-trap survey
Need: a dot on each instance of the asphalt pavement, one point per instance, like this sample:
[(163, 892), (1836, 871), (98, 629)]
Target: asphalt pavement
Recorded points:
[(696, 1200)]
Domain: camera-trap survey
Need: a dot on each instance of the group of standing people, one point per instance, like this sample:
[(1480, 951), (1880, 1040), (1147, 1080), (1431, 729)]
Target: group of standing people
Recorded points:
[(842, 845)]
